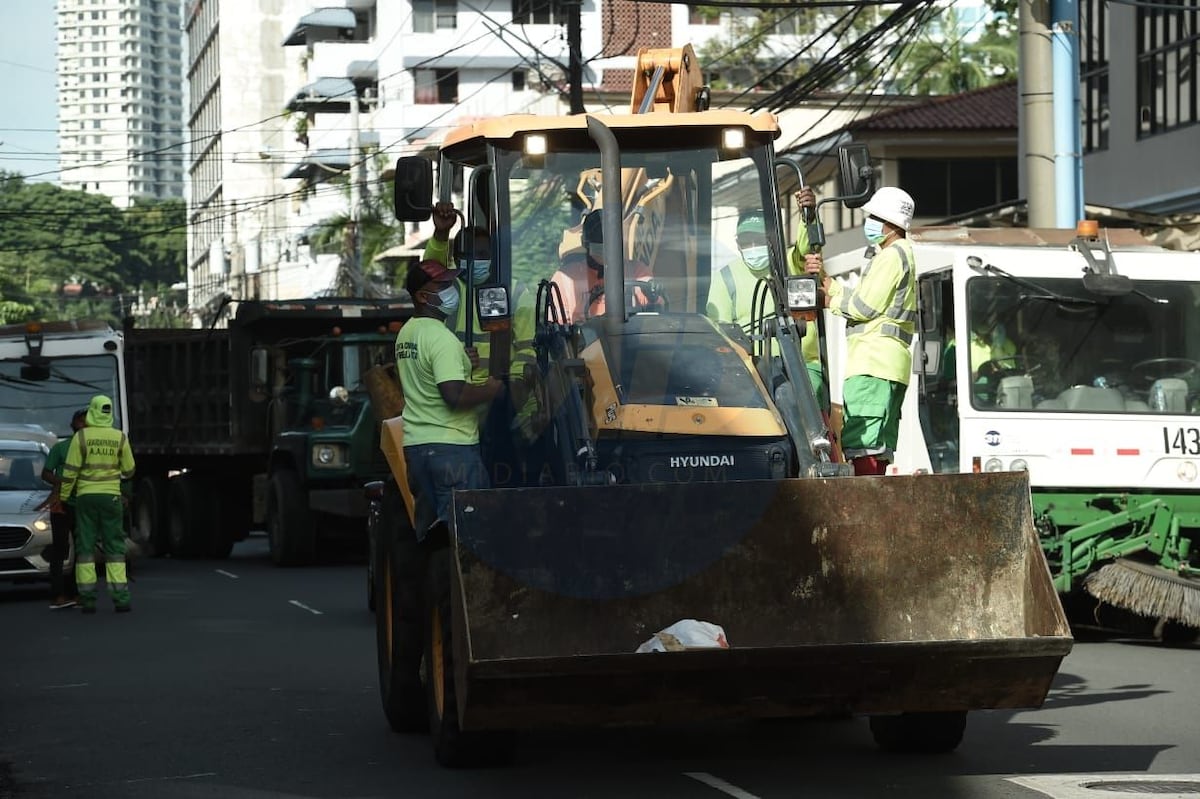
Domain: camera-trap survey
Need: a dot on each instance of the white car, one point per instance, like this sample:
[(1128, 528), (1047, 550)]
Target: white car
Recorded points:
[(25, 535)]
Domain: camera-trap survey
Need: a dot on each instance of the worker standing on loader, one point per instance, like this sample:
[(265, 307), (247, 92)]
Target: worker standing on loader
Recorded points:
[(880, 315), (731, 292), (98, 461), (441, 426)]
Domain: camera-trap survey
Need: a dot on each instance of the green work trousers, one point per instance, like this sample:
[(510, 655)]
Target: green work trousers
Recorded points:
[(871, 416), (99, 518)]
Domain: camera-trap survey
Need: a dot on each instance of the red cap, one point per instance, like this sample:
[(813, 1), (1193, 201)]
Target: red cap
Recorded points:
[(436, 270)]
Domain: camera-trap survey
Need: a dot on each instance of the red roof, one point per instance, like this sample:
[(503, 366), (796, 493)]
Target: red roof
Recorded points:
[(990, 108)]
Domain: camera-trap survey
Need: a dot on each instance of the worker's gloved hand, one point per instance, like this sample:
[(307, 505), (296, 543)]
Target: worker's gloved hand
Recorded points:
[(805, 198), (444, 217)]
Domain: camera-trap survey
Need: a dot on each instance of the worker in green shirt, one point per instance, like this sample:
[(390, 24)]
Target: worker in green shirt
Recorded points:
[(441, 424), (62, 515)]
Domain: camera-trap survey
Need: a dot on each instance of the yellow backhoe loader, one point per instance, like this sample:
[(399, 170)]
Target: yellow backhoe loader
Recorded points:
[(658, 466)]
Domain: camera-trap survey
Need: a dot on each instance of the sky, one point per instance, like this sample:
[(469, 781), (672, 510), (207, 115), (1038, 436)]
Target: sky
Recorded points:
[(28, 98)]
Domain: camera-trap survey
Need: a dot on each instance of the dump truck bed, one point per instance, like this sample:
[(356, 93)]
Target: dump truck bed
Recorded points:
[(870, 595)]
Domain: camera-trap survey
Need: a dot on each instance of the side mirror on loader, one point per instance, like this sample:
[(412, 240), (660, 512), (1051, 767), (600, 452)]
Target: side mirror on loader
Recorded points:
[(413, 188), (856, 176)]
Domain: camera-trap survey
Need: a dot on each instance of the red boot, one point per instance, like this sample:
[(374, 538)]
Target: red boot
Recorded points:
[(869, 465)]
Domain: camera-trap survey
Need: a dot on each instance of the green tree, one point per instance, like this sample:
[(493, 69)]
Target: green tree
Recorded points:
[(941, 60), (68, 254)]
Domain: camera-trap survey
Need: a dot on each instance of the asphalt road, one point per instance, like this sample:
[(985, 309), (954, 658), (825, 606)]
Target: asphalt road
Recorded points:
[(234, 679)]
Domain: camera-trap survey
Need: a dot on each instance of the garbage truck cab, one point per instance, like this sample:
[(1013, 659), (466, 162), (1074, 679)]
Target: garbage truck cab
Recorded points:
[(1072, 356)]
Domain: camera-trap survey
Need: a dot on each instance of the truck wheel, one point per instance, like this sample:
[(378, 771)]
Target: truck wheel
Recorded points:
[(452, 747), (150, 515), (399, 566), (187, 517), (925, 733), (290, 529)]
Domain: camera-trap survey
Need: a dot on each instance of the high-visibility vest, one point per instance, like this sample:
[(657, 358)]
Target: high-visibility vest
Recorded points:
[(98, 459), (881, 315)]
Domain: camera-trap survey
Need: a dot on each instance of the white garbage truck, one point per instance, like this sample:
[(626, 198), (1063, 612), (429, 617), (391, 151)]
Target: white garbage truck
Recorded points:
[(1073, 355)]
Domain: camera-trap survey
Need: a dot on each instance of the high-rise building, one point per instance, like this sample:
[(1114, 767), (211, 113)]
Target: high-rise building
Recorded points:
[(120, 98)]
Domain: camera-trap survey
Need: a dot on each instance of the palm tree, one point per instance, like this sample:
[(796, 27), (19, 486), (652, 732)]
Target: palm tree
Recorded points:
[(941, 61)]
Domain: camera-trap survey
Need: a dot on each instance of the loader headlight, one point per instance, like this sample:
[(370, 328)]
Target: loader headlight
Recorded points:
[(329, 456), (993, 465), (733, 139), (802, 293)]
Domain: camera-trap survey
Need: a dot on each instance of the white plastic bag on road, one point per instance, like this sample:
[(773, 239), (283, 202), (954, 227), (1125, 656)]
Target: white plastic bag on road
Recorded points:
[(684, 635)]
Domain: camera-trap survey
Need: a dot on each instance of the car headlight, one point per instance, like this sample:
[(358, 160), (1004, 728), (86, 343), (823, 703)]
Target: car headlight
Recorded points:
[(993, 465), (329, 456), (41, 524)]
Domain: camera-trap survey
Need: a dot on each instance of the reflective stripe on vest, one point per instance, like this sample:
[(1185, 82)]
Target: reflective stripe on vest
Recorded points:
[(98, 468), (731, 288), (896, 311)]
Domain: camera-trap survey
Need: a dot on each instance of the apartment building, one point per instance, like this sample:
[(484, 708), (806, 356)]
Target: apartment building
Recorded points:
[(120, 98)]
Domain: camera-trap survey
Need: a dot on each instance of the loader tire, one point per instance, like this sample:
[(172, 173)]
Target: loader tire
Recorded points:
[(290, 529), (922, 733), (452, 747), (399, 633)]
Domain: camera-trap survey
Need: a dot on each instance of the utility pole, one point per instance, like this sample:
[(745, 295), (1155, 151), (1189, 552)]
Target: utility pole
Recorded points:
[(1036, 85), (1067, 140), (352, 248), (575, 63)]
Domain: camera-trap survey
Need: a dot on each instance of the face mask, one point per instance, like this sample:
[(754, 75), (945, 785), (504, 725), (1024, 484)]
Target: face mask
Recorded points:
[(447, 300), (873, 230), (756, 258), (479, 269)]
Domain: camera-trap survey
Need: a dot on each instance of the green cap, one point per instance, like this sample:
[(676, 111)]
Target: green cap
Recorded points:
[(751, 222)]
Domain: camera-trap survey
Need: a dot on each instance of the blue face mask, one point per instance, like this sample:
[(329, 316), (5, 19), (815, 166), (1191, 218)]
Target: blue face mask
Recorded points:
[(873, 230), (447, 300), (756, 258), (479, 269)]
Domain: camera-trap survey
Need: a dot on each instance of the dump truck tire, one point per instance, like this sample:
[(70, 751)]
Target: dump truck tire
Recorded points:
[(292, 536), (188, 517), (452, 747), (923, 733), (150, 515), (399, 633)]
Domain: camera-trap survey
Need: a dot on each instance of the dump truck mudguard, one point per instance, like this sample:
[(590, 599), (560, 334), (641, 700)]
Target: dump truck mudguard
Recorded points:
[(871, 595)]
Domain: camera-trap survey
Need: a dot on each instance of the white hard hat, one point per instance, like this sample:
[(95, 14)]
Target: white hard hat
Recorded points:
[(891, 205)]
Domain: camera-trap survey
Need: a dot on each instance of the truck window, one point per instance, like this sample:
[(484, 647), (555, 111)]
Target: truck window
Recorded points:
[(50, 403), (1064, 350)]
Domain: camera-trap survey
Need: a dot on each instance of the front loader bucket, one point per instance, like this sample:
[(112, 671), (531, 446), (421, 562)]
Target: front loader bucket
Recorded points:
[(872, 595)]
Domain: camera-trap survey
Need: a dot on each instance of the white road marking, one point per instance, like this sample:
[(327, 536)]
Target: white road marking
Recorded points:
[(303, 606), (67, 685), (230, 575), (1092, 786), (720, 784), (165, 779)]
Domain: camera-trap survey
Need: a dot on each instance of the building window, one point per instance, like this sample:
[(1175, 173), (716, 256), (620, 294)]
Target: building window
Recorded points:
[(1168, 55), (518, 80), (434, 15), (539, 12), (436, 86), (946, 187), (704, 15)]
